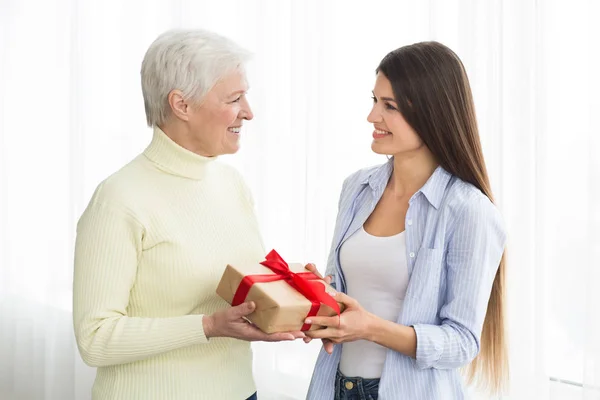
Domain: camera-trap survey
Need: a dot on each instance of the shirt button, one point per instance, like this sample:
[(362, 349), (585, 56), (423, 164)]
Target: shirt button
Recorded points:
[(349, 385), (412, 255), (409, 222)]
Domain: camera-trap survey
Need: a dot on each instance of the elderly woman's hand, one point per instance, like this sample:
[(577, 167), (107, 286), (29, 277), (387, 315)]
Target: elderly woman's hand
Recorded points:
[(230, 323)]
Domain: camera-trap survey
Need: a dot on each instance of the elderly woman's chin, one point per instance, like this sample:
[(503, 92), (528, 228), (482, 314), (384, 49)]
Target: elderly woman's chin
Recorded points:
[(232, 140)]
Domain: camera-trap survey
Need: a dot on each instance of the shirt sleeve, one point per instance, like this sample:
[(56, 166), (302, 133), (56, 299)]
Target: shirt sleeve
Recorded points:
[(107, 250), (330, 269), (475, 249)]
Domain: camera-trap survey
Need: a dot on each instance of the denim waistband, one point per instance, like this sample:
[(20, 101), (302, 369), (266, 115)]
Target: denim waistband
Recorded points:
[(355, 387)]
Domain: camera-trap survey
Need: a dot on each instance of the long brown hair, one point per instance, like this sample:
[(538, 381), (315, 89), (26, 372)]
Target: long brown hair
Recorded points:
[(432, 90)]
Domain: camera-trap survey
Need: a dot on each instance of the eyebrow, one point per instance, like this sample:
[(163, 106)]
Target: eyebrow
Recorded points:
[(237, 92), (386, 98)]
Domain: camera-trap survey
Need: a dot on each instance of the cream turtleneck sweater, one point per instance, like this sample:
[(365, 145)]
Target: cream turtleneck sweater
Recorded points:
[(151, 247)]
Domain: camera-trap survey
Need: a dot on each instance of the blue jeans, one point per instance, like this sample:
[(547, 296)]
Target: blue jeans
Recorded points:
[(355, 388), (253, 397)]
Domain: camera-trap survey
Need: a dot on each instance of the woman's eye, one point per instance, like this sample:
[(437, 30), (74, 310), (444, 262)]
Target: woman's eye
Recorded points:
[(374, 99), (389, 106)]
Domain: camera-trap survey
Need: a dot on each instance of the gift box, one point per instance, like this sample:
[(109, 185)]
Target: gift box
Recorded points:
[(284, 294)]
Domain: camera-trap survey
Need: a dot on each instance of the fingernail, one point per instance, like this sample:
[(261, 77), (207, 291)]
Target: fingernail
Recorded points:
[(308, 321)]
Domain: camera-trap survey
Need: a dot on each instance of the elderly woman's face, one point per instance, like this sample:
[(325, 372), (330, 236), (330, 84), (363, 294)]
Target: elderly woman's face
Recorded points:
[(218, 120)]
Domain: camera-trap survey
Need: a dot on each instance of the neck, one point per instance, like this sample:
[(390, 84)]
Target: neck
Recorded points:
[(411, 172), (174, 159), (179, 132)]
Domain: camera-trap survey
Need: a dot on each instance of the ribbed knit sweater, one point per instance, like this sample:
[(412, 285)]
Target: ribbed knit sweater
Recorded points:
[(151, 247)]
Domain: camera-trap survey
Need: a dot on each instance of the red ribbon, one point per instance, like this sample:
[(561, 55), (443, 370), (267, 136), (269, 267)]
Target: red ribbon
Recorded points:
[(303, 282)]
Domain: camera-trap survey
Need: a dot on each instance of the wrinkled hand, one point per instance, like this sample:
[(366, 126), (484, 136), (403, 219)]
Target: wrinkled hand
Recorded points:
[(230, 323), (327, 344), (353, 324)]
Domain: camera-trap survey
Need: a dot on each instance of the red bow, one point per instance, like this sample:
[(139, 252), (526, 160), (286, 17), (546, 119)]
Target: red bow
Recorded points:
[(303, 282)]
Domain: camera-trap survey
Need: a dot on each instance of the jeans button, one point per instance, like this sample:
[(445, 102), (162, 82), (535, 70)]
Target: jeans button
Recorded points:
[(349, 385)]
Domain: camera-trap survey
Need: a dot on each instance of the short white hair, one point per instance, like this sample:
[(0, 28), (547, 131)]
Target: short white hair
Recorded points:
[(192, 61)]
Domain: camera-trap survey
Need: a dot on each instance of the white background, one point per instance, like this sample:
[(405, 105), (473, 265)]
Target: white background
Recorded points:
[(71, 113)]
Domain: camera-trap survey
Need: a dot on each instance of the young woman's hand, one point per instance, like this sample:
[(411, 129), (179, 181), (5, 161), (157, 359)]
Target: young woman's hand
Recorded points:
[(327, 344), (353, 324)]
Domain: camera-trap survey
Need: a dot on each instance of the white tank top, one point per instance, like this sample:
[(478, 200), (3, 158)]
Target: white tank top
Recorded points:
[(376, 275)]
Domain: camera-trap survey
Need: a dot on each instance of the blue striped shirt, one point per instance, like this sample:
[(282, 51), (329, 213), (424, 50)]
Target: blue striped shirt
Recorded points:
[(454, 241)]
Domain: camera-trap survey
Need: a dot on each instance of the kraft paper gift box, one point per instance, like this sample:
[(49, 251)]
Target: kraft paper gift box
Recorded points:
[(281, 293)]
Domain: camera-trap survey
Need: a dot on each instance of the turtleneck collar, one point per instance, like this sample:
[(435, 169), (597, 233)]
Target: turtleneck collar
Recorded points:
[(174, 159)]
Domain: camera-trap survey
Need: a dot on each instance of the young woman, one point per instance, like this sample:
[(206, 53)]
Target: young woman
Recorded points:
[(417, 253)]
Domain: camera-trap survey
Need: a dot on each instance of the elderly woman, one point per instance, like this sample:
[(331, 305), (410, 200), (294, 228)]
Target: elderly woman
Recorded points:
[(157, 234)]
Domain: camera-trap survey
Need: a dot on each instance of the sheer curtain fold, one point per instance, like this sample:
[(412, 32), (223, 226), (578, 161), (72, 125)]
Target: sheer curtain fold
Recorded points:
[(591, 369), (71, 113)]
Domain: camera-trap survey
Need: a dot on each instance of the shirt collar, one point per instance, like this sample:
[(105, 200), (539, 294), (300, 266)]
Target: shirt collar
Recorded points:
[(435, 187), (379, 177), (433, 190)]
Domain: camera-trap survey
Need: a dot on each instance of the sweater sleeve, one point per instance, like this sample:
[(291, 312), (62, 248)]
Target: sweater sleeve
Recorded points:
[(107, 250)]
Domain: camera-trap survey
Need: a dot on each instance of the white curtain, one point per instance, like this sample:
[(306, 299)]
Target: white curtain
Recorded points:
[(71, 113)]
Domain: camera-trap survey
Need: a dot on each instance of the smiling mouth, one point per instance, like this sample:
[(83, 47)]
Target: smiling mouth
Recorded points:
[(380, 132), (235, 129)]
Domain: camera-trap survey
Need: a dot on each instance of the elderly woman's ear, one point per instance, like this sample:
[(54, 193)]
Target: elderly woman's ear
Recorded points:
[(180, 107)]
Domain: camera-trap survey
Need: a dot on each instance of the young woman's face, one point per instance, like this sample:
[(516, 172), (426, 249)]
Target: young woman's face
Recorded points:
[(392, 135)]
